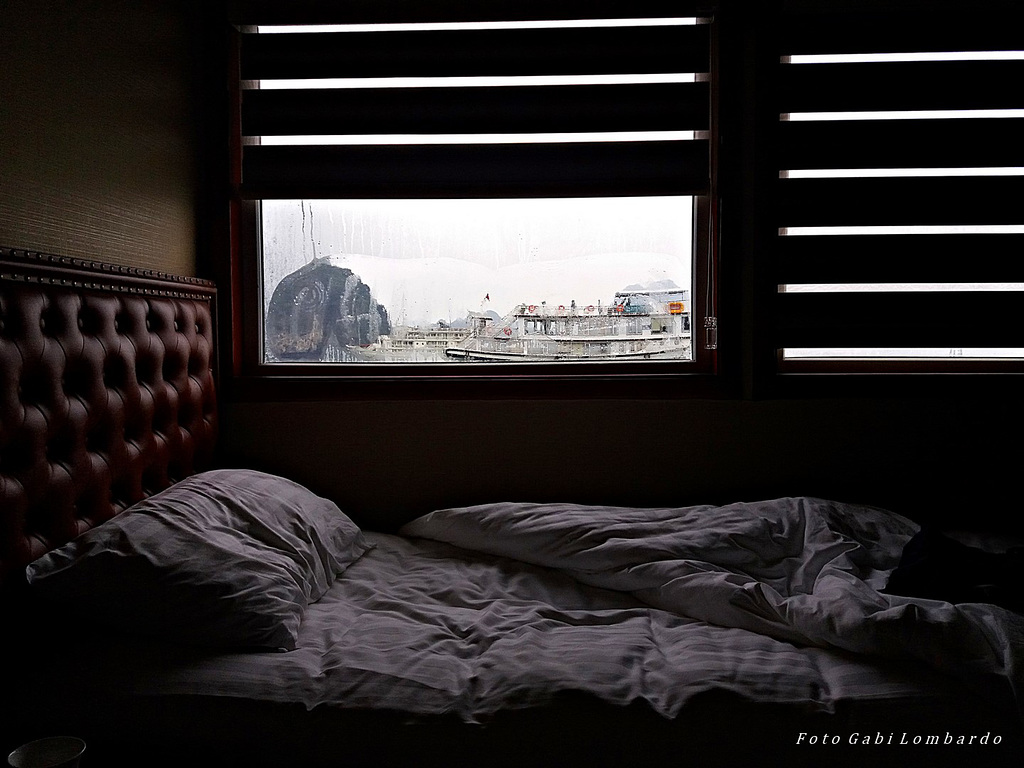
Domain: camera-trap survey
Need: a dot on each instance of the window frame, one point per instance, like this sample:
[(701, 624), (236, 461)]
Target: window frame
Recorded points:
[(254, 378), (661, 379)]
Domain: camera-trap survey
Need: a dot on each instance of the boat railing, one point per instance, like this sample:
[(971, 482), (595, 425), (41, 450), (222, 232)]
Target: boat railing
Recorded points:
[(597, 310), (540, 347), (561, 310)]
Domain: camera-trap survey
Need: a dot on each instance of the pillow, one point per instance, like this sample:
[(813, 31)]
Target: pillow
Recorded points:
[(227, 558)]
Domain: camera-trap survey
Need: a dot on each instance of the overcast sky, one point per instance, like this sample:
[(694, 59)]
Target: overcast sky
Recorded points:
[(429, 260)]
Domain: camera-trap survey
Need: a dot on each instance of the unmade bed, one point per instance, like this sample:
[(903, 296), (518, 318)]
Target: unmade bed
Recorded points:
[(172, 612)]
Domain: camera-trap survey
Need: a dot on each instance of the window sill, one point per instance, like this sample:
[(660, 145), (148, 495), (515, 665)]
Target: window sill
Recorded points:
[(962, 383), (319, 382)]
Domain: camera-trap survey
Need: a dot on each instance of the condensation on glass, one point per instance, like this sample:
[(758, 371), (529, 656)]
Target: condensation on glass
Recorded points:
[(489, 280)]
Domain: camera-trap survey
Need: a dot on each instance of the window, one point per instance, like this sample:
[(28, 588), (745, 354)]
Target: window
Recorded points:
[(434, 195), (900, 174), (489, 280)]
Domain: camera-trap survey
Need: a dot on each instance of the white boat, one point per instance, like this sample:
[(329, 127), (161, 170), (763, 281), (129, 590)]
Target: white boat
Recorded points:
[(405, 344), (637, 325)]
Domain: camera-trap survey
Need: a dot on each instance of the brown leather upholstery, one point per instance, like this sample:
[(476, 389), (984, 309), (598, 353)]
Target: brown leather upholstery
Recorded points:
[(106, 394)]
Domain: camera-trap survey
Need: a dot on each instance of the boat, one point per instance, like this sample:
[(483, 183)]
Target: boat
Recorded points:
[(414, 344), (637, 325)]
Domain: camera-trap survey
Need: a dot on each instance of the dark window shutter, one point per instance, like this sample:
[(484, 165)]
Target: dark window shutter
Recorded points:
[(536, 169), (987, 319)]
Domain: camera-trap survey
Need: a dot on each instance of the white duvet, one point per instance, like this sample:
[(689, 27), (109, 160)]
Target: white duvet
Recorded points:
[(475, 610), (803, 570)]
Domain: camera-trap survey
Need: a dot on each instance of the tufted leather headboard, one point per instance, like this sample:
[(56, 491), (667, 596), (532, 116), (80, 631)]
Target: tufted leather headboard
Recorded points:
[(107, 394)]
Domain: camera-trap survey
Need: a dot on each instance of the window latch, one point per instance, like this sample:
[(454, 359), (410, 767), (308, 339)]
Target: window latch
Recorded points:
[(710, 333)]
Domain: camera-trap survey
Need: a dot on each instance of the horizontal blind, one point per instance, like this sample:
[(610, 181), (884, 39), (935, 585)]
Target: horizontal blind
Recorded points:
[(517, 109), (899, 193), (489, 170), (365, 130), (250, 12)]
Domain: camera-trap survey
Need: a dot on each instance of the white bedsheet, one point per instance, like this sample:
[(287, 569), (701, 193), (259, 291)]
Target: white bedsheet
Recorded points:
[(802, 570), (629, 605)]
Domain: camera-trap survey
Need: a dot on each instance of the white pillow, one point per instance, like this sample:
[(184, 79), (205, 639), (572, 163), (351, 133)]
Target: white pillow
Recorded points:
[(227, 558)]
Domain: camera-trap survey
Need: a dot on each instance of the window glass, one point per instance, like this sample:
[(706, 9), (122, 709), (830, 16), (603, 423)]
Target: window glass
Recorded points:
[(477, 280)]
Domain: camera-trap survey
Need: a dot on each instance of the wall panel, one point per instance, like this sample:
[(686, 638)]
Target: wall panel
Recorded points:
[(98, 131)]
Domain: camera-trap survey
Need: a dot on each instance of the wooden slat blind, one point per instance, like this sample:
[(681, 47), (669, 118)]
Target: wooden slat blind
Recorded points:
[(823, 259), (535, 168), (477, 170), (887, 26), (910, 201), (494, 109), (940, 320), (418, 11), (914, 200), (476, 52), (902, 144), (900, 85)]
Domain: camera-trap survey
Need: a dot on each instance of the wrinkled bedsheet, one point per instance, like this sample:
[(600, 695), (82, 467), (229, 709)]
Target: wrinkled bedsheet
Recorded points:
[(475, 610), (803, 570)]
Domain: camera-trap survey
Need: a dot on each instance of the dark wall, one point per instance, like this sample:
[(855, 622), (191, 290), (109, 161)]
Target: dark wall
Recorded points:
[(945, 460)]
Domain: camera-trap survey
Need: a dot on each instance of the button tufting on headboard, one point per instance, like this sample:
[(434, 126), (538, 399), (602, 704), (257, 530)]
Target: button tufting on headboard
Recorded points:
[(107, 394)]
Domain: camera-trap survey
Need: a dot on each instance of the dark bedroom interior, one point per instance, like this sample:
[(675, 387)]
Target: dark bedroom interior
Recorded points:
[(546, 499)]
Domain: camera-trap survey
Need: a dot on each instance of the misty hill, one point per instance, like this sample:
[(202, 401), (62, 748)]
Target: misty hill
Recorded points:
[(657, 285)]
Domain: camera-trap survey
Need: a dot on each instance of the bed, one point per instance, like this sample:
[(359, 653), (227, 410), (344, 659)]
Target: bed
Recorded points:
[(172, 610)]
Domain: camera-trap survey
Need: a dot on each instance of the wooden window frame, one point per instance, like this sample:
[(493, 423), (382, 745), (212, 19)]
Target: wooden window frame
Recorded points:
[(252, 378)]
